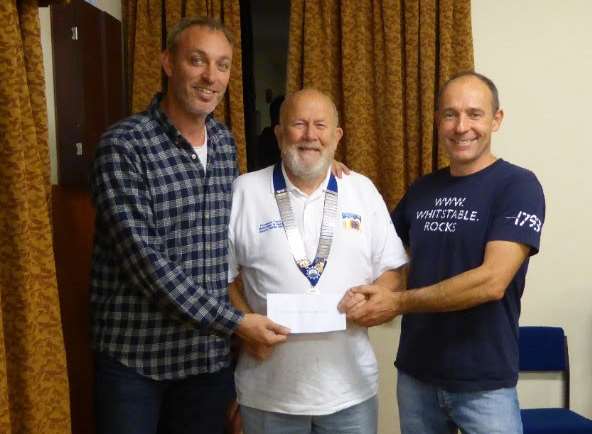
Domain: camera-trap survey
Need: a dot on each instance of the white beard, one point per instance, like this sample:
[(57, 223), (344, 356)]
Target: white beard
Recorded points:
[(306, 172)]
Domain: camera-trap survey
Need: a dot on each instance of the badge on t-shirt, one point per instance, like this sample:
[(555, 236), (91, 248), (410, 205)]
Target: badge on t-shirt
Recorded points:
[(351, 221)]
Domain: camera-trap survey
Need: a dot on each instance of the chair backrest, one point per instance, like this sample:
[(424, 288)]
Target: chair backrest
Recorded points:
[(544, 349)]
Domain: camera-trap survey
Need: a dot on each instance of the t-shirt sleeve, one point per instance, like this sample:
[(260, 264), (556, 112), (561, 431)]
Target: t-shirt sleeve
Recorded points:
[(519, 213), (388, 252), (399, 219)]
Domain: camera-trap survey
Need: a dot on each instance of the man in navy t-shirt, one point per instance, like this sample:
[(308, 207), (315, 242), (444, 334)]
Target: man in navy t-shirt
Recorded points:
[(470, 229)]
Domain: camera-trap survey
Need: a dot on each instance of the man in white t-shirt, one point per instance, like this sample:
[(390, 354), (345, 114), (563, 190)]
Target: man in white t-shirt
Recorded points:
[(295, 228)]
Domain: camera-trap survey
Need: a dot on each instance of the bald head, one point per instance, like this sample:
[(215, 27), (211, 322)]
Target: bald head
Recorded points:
[(468, 75), (308, 94)]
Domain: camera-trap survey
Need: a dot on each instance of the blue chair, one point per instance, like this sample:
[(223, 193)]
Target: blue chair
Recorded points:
[(544, 349)]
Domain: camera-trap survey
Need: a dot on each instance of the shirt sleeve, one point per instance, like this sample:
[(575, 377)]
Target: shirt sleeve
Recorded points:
[(123, 206), (519, 213), (400, 221), (388, 252)]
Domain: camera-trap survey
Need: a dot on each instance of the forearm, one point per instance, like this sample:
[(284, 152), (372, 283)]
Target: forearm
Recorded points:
[(482, 284), (391, 280), (466, 290), (237, 296), (128, 234), (161, 279)]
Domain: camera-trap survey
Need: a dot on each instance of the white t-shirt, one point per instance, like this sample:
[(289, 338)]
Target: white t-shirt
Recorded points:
[(319, 373), (202, 151)]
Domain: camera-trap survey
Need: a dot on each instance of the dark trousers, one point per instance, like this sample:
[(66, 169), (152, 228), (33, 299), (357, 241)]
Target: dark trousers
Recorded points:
[(129, 403)]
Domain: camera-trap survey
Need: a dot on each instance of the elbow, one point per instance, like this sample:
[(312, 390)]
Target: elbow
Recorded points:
[(496, 288), (497, 293), (496, 285)]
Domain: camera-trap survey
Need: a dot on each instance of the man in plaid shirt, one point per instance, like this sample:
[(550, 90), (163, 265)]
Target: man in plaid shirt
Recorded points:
[(161, 317)]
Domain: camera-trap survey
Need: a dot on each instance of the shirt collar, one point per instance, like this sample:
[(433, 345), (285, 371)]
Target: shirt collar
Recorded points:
[(169, 129)]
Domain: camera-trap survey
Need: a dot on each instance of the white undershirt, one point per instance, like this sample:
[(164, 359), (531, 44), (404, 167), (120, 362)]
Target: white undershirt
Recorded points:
[(202, 151)]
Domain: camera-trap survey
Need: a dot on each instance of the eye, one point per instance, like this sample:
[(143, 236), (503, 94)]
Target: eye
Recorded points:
[(224, 66), (197, 60), (448, 115)]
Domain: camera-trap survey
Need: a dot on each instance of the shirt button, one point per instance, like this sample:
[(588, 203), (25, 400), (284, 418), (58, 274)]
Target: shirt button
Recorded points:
[(193, 156)]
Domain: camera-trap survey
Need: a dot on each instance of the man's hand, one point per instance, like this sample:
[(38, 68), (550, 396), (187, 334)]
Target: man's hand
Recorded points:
[(339, 169), (350, 300), (381, 305), (261, 330)]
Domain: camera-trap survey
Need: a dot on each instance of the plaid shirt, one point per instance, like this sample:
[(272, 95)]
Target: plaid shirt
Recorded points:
[(159, 273)]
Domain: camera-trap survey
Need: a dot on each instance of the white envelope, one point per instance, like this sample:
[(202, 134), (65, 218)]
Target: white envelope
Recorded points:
[(306, 313)]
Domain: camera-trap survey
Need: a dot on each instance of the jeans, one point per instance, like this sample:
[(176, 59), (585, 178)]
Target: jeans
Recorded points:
[(427, 409), (127, 402), (357, 419)]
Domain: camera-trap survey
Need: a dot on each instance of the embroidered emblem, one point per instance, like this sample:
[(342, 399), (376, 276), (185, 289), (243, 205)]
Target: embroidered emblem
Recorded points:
[(351, 221)]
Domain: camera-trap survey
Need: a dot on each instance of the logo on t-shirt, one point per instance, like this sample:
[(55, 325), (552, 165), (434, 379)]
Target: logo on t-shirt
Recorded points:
[(446, 213), (530, 220), (274, 224), (351, 221)]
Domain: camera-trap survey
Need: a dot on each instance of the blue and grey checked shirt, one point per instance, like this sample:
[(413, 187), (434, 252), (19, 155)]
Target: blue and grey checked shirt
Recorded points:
[(159, 274)]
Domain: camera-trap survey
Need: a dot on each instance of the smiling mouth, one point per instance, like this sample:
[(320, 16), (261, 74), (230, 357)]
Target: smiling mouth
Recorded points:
[(205, 91), (464, 142)]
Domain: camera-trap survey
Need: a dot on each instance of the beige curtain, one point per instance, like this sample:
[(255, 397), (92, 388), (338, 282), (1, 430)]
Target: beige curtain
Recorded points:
[(145, 24), (34, 395), (382, 61)]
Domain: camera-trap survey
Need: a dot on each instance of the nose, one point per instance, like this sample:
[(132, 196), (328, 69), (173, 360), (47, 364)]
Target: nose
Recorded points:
[(462, 124), (209, 73), (310, 133)]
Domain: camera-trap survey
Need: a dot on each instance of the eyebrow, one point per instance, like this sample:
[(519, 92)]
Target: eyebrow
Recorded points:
[(205, 54)]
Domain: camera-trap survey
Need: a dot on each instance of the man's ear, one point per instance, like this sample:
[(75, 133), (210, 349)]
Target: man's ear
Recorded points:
[(339, 133), (166, 60), (277, 130), (498, 116)]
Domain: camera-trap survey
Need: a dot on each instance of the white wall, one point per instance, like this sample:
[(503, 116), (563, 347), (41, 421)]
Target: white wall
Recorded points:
[(539, 53)]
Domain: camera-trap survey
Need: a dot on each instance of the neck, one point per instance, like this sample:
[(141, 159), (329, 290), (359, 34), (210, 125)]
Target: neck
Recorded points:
[(459, 169), (191, 126), (307, 186)]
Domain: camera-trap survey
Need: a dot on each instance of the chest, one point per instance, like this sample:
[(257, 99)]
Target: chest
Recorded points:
[(452, 219)]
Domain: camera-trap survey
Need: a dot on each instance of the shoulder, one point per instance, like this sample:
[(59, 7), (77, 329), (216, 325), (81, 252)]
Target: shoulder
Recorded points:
[(512, 176), (356, 180), (254, 182), (124, 133), (218, 129), (515, 172), (355, 185)]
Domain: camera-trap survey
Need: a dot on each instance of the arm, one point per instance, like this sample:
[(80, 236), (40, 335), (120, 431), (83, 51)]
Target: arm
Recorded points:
[(257, 332), (127, 225), (483, 284)]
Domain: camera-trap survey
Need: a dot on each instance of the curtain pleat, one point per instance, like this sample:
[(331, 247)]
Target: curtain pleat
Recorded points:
[(146, 23), (34, 395), (382, 62)]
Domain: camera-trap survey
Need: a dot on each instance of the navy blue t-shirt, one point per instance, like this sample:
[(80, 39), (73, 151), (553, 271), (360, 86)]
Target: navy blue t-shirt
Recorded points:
[(445, 222)]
